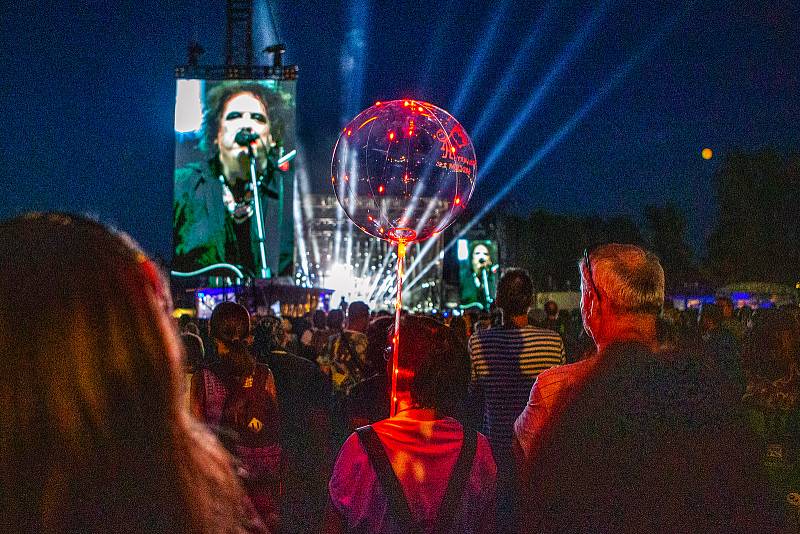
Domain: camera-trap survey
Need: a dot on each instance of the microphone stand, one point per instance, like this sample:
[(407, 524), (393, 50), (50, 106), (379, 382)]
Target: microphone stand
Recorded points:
[(257, 205), (485, 279)]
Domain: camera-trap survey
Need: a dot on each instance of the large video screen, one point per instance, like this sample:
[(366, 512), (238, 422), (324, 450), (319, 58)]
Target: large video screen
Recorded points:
[(478, 272), (234, 138)]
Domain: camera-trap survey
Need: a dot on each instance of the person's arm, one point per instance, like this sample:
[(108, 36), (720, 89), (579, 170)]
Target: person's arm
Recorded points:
[(529, 424), (334, 522), (473, 406)]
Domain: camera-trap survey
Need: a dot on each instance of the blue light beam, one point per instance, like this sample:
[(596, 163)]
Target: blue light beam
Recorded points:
[(354, 52), (533, 102), (567, 128), (479, 59), (505, 85)]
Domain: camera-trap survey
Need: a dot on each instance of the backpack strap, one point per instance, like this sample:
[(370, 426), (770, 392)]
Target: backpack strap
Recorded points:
[(398, 504), (457, 483)]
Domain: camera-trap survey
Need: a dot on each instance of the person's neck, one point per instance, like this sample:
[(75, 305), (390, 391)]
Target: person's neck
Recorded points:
[(515, 321), (628, 328), (415, 412), (231, 170)]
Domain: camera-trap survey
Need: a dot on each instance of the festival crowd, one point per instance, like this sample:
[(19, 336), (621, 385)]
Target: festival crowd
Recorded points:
[(622, 417)]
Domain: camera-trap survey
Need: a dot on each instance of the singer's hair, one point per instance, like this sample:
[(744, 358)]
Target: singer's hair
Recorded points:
[(477, 244), (277, 114), (94, 431)]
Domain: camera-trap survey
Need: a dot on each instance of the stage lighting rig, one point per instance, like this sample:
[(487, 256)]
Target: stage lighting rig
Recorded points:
[(277, 51), (194, 51)]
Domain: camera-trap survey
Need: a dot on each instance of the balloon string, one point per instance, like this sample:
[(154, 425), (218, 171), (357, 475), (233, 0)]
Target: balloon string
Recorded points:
[(398, 306)]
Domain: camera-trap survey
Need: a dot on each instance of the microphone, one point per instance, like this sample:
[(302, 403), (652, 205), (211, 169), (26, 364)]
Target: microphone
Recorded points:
[(244, 137)]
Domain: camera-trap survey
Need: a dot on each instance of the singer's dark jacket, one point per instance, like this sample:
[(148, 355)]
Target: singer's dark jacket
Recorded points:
[(473, 294), (204, 233)]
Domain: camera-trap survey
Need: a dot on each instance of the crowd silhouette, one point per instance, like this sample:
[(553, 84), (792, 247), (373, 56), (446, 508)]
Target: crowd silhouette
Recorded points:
[(621, 416)]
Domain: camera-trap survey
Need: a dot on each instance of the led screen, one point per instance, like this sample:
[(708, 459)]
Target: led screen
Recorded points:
[(478, 272), (232, 138)]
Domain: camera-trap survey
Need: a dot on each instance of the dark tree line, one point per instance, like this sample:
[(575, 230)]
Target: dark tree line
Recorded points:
[(756, 236)]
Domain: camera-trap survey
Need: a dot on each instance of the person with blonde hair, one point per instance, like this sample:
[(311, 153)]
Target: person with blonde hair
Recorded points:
[(94, 433)]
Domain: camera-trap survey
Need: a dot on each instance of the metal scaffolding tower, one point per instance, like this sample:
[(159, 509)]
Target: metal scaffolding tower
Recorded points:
[(239, 33)]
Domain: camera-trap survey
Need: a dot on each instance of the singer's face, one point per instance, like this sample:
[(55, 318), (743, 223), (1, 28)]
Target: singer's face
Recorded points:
[(480, 256), (242, 110)]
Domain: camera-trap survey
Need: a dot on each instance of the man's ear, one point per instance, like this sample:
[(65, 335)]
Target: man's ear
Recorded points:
[(594, 306)]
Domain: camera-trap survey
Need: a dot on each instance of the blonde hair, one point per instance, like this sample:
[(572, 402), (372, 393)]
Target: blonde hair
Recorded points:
[(629, 277), (94, 434)]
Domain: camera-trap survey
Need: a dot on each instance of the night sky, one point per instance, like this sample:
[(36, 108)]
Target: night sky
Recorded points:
[(88, 90)]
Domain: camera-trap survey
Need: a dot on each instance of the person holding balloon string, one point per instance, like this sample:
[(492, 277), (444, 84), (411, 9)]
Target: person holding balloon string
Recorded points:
[(420, 470)]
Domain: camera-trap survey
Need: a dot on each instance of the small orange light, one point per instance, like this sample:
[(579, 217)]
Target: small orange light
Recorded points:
[(378, 103), (381, 189), (349, 132), (370, 218), (391, 136), (406, 103), (419, 108), (458, 201), (284, 166), (380, 229), (453, 149)]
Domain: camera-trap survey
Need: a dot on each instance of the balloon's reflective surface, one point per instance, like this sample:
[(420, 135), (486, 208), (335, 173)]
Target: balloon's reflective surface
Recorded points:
[(403, 170)]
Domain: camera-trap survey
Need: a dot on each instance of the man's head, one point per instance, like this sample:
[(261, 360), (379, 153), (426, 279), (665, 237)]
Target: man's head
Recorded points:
[(433, 364), (335, 319), (480, 257), (726, 305), (551, 309), (622, 290), (358, 316), (515, 293), (319, 319), (231, 109)]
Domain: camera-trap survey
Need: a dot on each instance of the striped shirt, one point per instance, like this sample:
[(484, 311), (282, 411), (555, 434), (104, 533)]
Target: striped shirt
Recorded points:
[(505, 364)]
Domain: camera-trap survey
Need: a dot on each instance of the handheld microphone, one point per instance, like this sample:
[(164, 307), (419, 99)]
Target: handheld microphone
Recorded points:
[(244, 137)]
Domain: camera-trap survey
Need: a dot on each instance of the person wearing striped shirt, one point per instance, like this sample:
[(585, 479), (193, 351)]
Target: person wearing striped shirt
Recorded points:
[(505, 363)]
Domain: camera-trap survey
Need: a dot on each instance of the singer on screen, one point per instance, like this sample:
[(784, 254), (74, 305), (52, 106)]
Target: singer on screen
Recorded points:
[(215, 211), (479, 281)]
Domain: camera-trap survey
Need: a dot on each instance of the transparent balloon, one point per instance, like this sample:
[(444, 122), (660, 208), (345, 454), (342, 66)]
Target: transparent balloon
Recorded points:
[(403, 170)]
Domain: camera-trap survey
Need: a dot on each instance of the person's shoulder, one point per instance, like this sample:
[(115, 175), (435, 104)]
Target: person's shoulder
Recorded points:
[(191, 172), (302, 365), (565, 375), (542, 333)]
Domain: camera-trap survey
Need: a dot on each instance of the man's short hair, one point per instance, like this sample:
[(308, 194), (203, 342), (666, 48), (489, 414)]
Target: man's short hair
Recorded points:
[(515, 292), (629, 277)]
